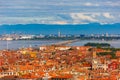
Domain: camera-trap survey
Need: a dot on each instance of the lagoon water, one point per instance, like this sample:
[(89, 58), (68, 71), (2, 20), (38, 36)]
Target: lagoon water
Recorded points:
[(113, 43), (36, 43), (16, 44)]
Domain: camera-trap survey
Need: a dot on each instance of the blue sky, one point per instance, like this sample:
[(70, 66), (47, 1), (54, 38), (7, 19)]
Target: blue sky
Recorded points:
[(59, 11)]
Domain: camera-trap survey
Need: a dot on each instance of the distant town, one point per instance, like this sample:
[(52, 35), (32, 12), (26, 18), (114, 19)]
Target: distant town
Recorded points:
[(15, 36)]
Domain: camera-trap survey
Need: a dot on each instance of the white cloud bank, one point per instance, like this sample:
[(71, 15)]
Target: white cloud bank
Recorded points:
[(108, 15), (91, 4), (81, 17), (70, 18), (59, 11)]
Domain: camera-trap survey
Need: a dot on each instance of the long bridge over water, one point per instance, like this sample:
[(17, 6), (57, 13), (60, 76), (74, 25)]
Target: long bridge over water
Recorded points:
[(66, 42)]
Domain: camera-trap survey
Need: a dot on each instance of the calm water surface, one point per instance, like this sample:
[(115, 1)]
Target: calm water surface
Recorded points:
[(25, 43), (114, 43), (36, 43)]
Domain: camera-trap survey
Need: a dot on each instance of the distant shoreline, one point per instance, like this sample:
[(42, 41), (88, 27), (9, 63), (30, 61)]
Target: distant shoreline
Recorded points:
[(101, 39)]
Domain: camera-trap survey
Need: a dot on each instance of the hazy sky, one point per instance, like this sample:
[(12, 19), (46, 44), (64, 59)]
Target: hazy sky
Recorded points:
[(59, 11)]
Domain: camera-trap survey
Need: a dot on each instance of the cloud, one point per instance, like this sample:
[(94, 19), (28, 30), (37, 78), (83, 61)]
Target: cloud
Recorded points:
[(59, 11), (65, 18), (110, 3), (33, 20), (108, 15), (59, 22), (94, 15), (91, 4), (81, 17)]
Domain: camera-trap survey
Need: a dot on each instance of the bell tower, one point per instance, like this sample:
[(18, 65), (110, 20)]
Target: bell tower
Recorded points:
[(94, 59)]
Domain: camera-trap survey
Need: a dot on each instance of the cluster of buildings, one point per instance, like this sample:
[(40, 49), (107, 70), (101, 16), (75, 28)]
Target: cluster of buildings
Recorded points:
[(15, 37), (57, 62), (59, 35)]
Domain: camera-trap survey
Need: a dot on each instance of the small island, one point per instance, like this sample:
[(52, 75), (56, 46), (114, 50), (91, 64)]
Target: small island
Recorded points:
[(98, 44)]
